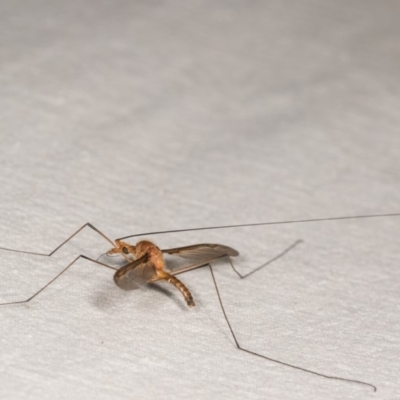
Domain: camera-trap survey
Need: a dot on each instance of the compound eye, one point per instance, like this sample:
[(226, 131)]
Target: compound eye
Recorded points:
[(125, 250)]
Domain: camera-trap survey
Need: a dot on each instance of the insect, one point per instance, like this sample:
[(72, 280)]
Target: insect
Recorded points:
[(146, 264)]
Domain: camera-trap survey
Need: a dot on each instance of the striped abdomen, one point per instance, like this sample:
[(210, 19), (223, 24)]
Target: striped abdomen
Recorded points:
[(182, 288)]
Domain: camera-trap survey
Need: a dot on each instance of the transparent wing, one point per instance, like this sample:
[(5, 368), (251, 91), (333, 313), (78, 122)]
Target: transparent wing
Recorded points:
[(135, 274), (202, 251)]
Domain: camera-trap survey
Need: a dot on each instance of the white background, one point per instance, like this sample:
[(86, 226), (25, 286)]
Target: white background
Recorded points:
[(147, 116)]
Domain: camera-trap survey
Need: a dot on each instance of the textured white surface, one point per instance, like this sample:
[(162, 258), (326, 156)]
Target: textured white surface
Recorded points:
[(143, 116)]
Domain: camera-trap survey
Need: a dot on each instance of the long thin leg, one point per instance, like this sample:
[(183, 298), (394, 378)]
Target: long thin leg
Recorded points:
[(292, 246), (56, 277), (205, 263), (89, 225), (62, 244), (297, 221), (272, 359), (205, 228), (201, 264), (170, 277)]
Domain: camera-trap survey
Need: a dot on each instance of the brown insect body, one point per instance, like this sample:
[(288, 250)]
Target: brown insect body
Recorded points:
[(148, 266), (155, 254)]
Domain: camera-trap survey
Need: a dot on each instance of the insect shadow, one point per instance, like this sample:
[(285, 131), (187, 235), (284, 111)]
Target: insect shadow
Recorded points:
[(146, 264)]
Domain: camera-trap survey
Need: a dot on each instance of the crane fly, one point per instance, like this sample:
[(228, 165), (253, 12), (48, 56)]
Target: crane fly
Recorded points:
[(146, 264)]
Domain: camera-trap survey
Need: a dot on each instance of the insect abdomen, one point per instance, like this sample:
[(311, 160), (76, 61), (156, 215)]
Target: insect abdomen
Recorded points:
[(183, 289)]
